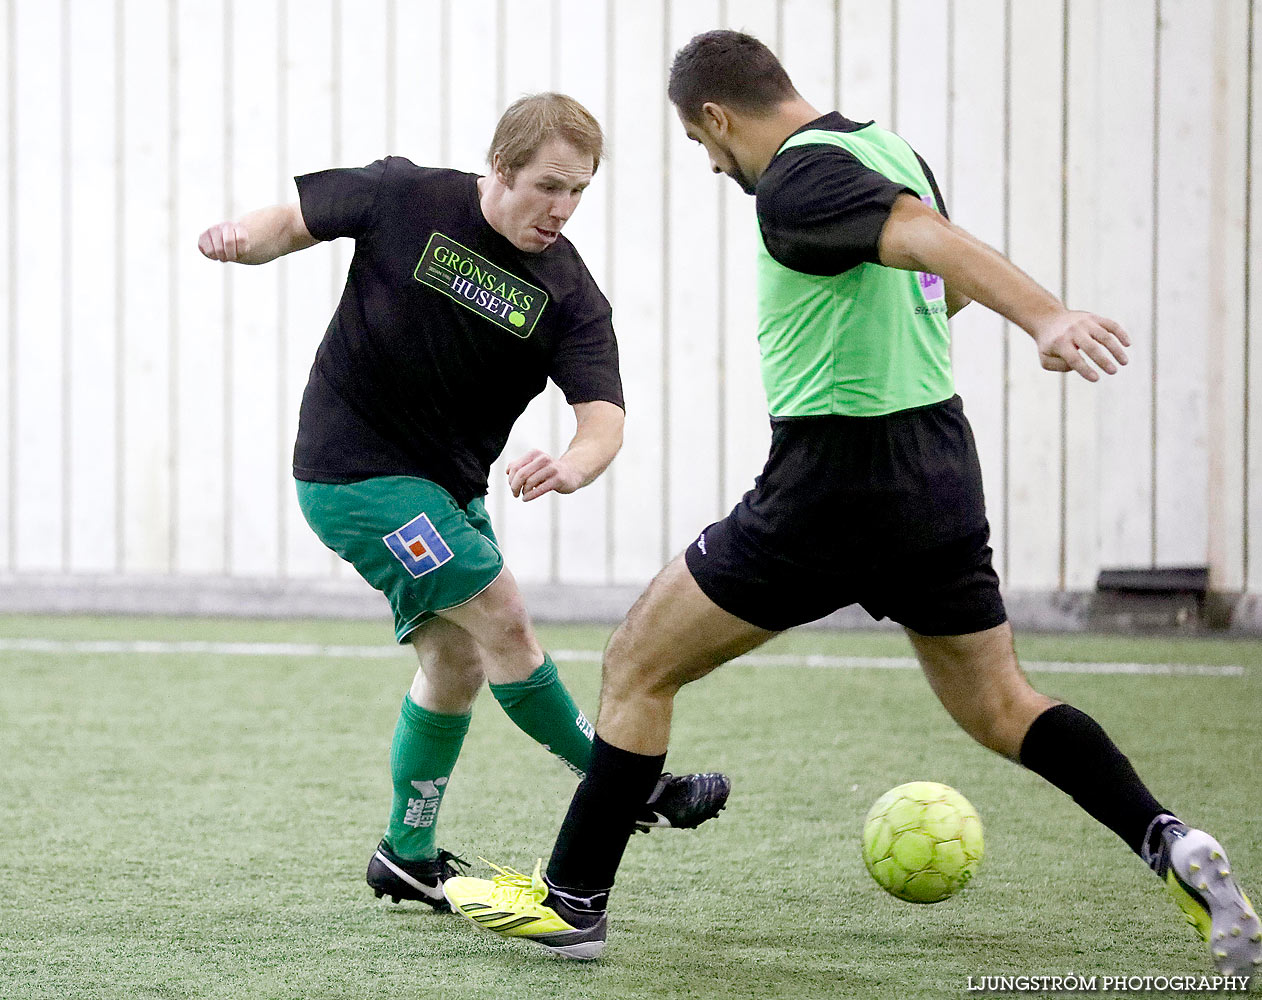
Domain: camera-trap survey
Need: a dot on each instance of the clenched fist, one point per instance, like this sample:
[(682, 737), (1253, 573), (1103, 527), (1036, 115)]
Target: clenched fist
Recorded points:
[(226, 241)]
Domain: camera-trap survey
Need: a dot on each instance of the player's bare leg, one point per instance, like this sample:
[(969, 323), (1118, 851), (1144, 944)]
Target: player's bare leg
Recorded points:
[(408, 864), (979, 682), (525, 682), (673, 635), (497, 619), (453, 667)]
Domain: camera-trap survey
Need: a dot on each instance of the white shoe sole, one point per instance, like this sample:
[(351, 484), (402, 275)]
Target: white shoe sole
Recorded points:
[(1235, 939)]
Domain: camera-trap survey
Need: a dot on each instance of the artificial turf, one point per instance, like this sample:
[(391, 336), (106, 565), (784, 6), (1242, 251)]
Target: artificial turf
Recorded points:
[(196, 824)]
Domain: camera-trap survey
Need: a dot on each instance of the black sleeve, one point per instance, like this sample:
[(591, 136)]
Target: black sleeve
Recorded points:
[(821, 211), (342, 201), (585, 365)]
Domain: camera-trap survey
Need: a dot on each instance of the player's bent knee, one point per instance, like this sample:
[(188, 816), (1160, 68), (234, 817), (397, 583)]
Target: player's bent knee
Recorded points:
[(1000, 721), (625, 678)]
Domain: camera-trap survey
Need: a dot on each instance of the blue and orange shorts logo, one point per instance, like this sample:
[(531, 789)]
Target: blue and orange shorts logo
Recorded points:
[(419, 546)]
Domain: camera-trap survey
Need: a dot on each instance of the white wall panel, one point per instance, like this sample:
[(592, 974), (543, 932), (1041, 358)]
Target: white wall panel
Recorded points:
[(8, 283), (581, 520), (254, 417), (39, 291), (310, 286), (691, 442), (922, 88), (867, 70), (1225, 319), (637, 172), (527, 529), (976, 178), (416, 129), (202, 145), (1080, 525), (1122, 129), (92, 278), (146, 384), (149, 398), (809, 57), (808, 33), (1253, 268), (1185, 92), (1034, 243)]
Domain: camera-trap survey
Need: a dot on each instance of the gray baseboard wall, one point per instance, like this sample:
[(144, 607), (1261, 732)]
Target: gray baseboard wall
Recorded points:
[(185, 596)]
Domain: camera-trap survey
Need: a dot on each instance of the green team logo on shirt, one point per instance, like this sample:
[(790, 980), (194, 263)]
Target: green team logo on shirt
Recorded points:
[(477, 284)]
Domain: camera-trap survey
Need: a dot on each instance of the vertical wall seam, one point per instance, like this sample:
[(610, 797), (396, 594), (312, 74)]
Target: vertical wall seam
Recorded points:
[(120, 291), (1005, 406), (229, 135), (67, 293), (173, 286), (554, 407), (666, 310), (444, 81), (837, 54), (392, 97), (1250, 83), (950, 105), (1063, 555), (947, 182), (283, 473), (12, 198), (337, 276), (611, 249), (720, 359), (501, 55), (1155, 285), (894, 20)]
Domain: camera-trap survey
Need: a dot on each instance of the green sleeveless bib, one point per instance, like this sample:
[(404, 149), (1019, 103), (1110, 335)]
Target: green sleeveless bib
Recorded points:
[(870, 341)]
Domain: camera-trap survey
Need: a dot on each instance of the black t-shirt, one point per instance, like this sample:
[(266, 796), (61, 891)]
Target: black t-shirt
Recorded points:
[(444, 333), (821, 211)]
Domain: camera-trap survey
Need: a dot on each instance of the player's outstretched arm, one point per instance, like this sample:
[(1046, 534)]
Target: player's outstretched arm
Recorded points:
[(916, 238), (595, 443), (258, 236)]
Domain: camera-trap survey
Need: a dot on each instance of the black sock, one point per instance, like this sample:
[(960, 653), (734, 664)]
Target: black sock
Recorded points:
[(1069, 749), (600, 821)]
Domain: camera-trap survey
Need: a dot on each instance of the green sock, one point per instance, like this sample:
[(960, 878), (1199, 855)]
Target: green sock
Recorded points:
[(422, 756), (542, 708)]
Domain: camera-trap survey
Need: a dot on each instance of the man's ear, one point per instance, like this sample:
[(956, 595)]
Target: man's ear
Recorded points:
[(715, 119), (504, 176)]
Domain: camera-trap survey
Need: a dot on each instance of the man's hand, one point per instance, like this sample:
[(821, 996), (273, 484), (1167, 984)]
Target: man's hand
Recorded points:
[(258, 236), (537, 473), (226, 241), (1068, 339)]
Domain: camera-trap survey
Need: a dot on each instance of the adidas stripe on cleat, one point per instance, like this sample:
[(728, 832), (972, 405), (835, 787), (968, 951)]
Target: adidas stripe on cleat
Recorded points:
[(684, 801), (1197, 874), (391, 875), (522, 906)]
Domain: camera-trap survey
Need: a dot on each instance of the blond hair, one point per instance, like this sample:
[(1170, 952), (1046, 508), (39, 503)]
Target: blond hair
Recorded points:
[(532, 120)]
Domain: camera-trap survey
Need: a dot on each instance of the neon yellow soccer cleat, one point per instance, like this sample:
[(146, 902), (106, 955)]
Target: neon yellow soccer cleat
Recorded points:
[(522, 906), (1195, 869)]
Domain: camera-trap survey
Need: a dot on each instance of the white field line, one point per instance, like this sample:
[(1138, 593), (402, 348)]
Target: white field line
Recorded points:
[(130, 647)]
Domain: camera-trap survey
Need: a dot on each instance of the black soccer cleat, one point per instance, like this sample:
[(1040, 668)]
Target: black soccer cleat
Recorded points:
[(684, 801), (390, 875)]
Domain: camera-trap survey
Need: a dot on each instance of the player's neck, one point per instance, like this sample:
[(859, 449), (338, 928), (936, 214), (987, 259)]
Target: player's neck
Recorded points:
[(768, 134)]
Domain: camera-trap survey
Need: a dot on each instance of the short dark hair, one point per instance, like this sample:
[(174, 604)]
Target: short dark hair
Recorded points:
[(727, 67)]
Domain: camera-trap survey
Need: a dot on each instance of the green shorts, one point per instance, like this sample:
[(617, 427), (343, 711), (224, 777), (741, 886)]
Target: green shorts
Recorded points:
[(410, 539)]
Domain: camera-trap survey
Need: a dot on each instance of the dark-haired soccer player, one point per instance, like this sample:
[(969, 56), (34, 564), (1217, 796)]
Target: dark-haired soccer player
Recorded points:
[(872, 494), (463, 299)]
